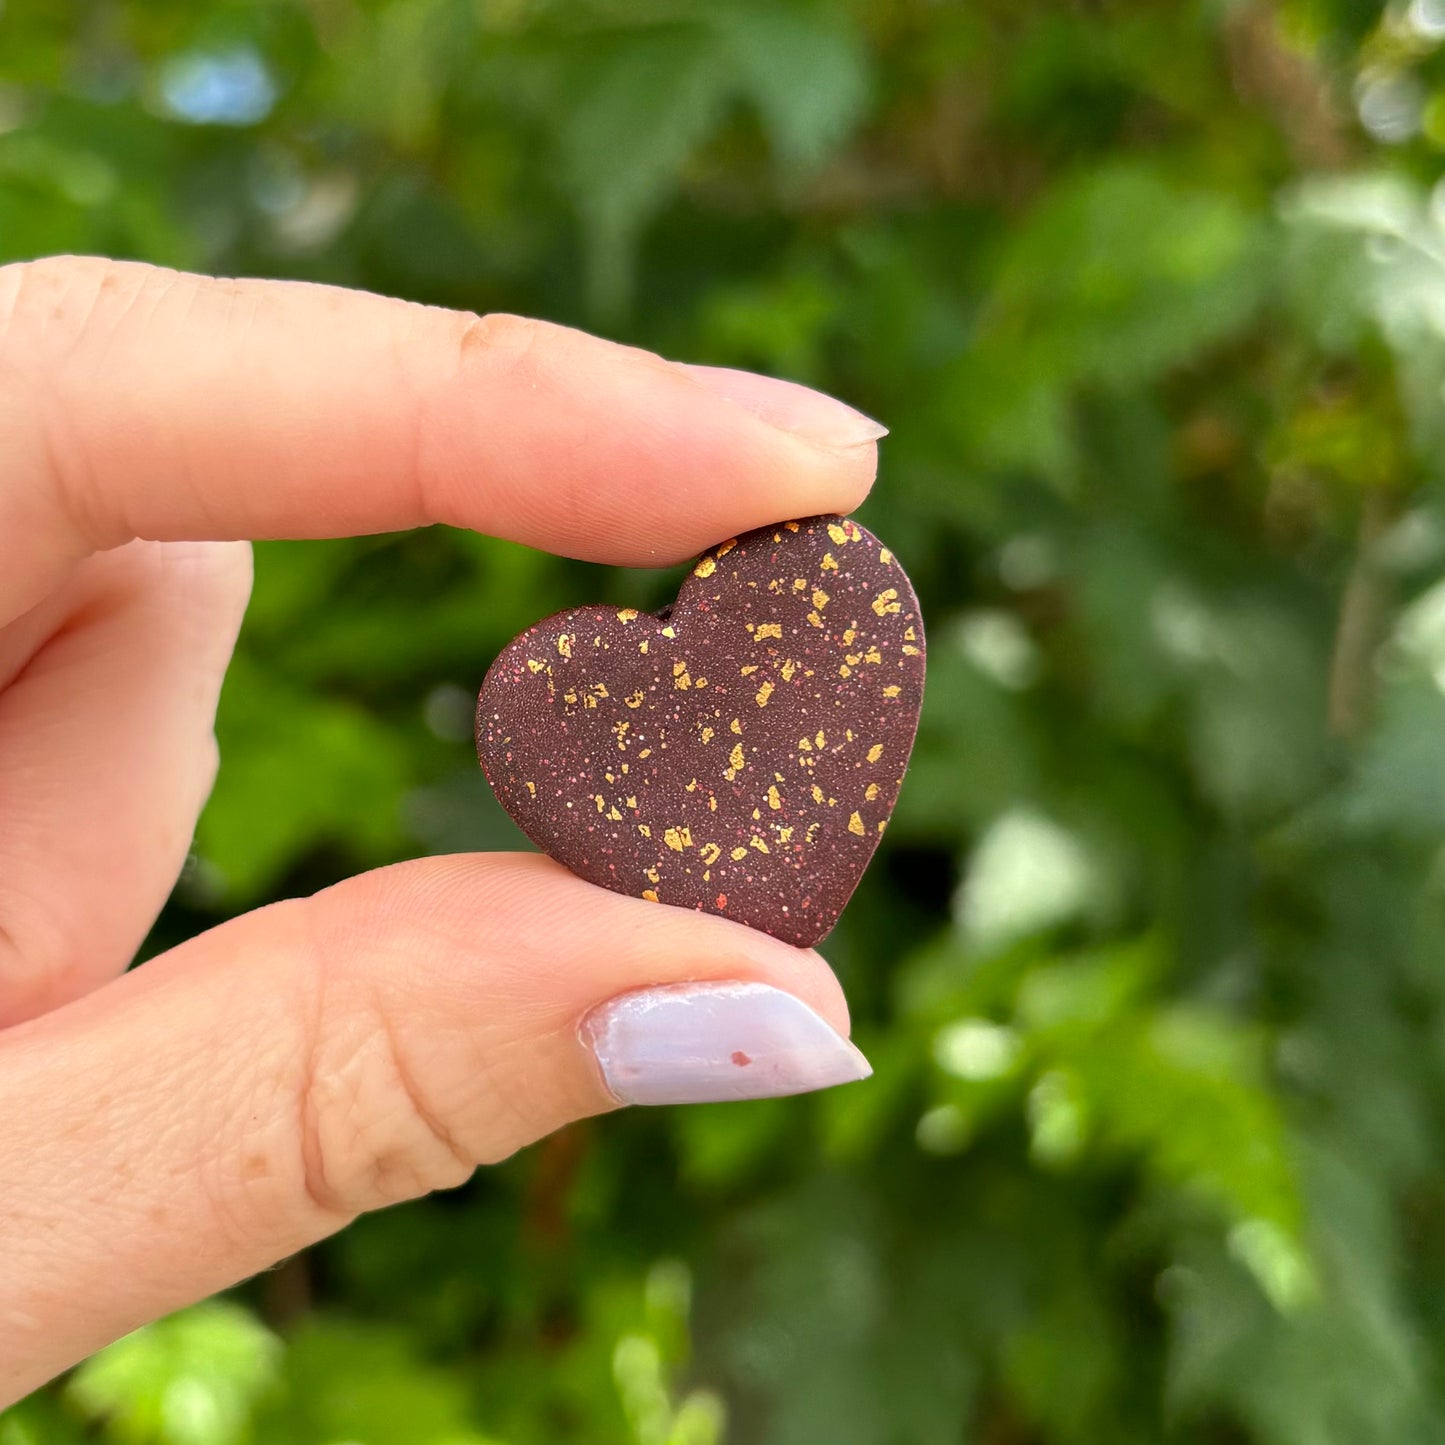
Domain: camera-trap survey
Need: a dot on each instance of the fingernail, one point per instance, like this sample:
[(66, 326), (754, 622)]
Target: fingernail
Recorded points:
[(793, 408), (700, 1043)]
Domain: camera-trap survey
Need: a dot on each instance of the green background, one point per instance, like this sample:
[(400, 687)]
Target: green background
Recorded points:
[(1152, 963)]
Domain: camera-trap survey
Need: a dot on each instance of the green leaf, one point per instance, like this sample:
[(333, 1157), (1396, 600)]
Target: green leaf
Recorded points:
[(806, 70), (193, 1379), (644, 102)]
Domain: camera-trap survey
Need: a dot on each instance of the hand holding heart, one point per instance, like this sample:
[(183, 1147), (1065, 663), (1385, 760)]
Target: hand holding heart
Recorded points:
[(169, 1131)]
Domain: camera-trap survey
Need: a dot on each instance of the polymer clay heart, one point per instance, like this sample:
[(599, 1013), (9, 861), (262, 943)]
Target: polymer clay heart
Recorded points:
[(739, 753)]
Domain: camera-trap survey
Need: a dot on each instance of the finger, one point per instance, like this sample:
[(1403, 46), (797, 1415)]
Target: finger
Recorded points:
[(250, 1092), (145, 403), (106, 757)]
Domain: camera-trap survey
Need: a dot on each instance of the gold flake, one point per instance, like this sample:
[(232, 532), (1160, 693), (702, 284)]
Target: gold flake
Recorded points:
[(707, 735), (875, 752), (711, 803), (600, 801), (872, 655), (532, 789), (789, 668), (700, 682), (814, 620), (756, 842), (882, 824), (650, 894), (705, 568), (757, 815), (910, 651), (691, 786), (569, 697), (774, 800), (749, 670), (710, 853), (910, 635), (829, 563), (600, 688), (892, 691), (849, 635), (535, 665), (785, 835), (855, 825), (853, 659), (589, 701), (627, 614), (791, 526), (635, 700), (800, 584), (632, 802), (887, 601), (642, 646), (885, 556), (736, 726), (845, 671), (564, 644), (768, 629), (646, 833), (870, 792), (738, 854), (677, 839), (817, 793), (645, 753), (820, 741), (764, 693), (837, 533), (614, 815), (652, 875), (820, 598), (806, 746), (723, 548), (669, 632)]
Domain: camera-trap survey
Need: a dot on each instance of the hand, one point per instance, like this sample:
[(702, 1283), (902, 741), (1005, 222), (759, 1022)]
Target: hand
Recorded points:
[(169, 1131)]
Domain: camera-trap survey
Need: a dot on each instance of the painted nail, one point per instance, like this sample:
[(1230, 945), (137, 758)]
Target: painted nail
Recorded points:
[(793, 408), (699, 1043)]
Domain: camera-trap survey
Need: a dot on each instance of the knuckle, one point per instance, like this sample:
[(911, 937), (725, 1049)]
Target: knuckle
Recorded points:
[(501, 341), (50, 310), (54, 300), (368, 1135)]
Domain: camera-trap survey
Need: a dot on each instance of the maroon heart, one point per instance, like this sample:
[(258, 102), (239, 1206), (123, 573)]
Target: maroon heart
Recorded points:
[(739, 753)]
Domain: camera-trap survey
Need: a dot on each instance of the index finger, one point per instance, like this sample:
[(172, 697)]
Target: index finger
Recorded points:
[(138, 402)]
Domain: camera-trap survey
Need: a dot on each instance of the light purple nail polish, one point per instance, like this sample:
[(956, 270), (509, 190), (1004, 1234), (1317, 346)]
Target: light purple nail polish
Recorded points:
[(699, 1043)]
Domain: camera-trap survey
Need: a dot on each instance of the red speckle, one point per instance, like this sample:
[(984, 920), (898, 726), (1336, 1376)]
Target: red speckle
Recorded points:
[(722, 900), (741, 1059)]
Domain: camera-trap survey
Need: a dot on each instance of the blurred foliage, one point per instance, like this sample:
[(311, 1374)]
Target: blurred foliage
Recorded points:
[(1152, 964)]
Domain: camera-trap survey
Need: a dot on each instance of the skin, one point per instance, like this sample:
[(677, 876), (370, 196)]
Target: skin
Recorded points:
[(167, 1132)]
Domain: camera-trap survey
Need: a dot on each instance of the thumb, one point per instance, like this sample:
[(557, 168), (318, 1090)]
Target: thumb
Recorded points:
[(253, 1090)]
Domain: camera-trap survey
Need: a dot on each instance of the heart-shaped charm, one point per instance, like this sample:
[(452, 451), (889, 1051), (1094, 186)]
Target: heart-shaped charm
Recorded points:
[(740, 753)]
